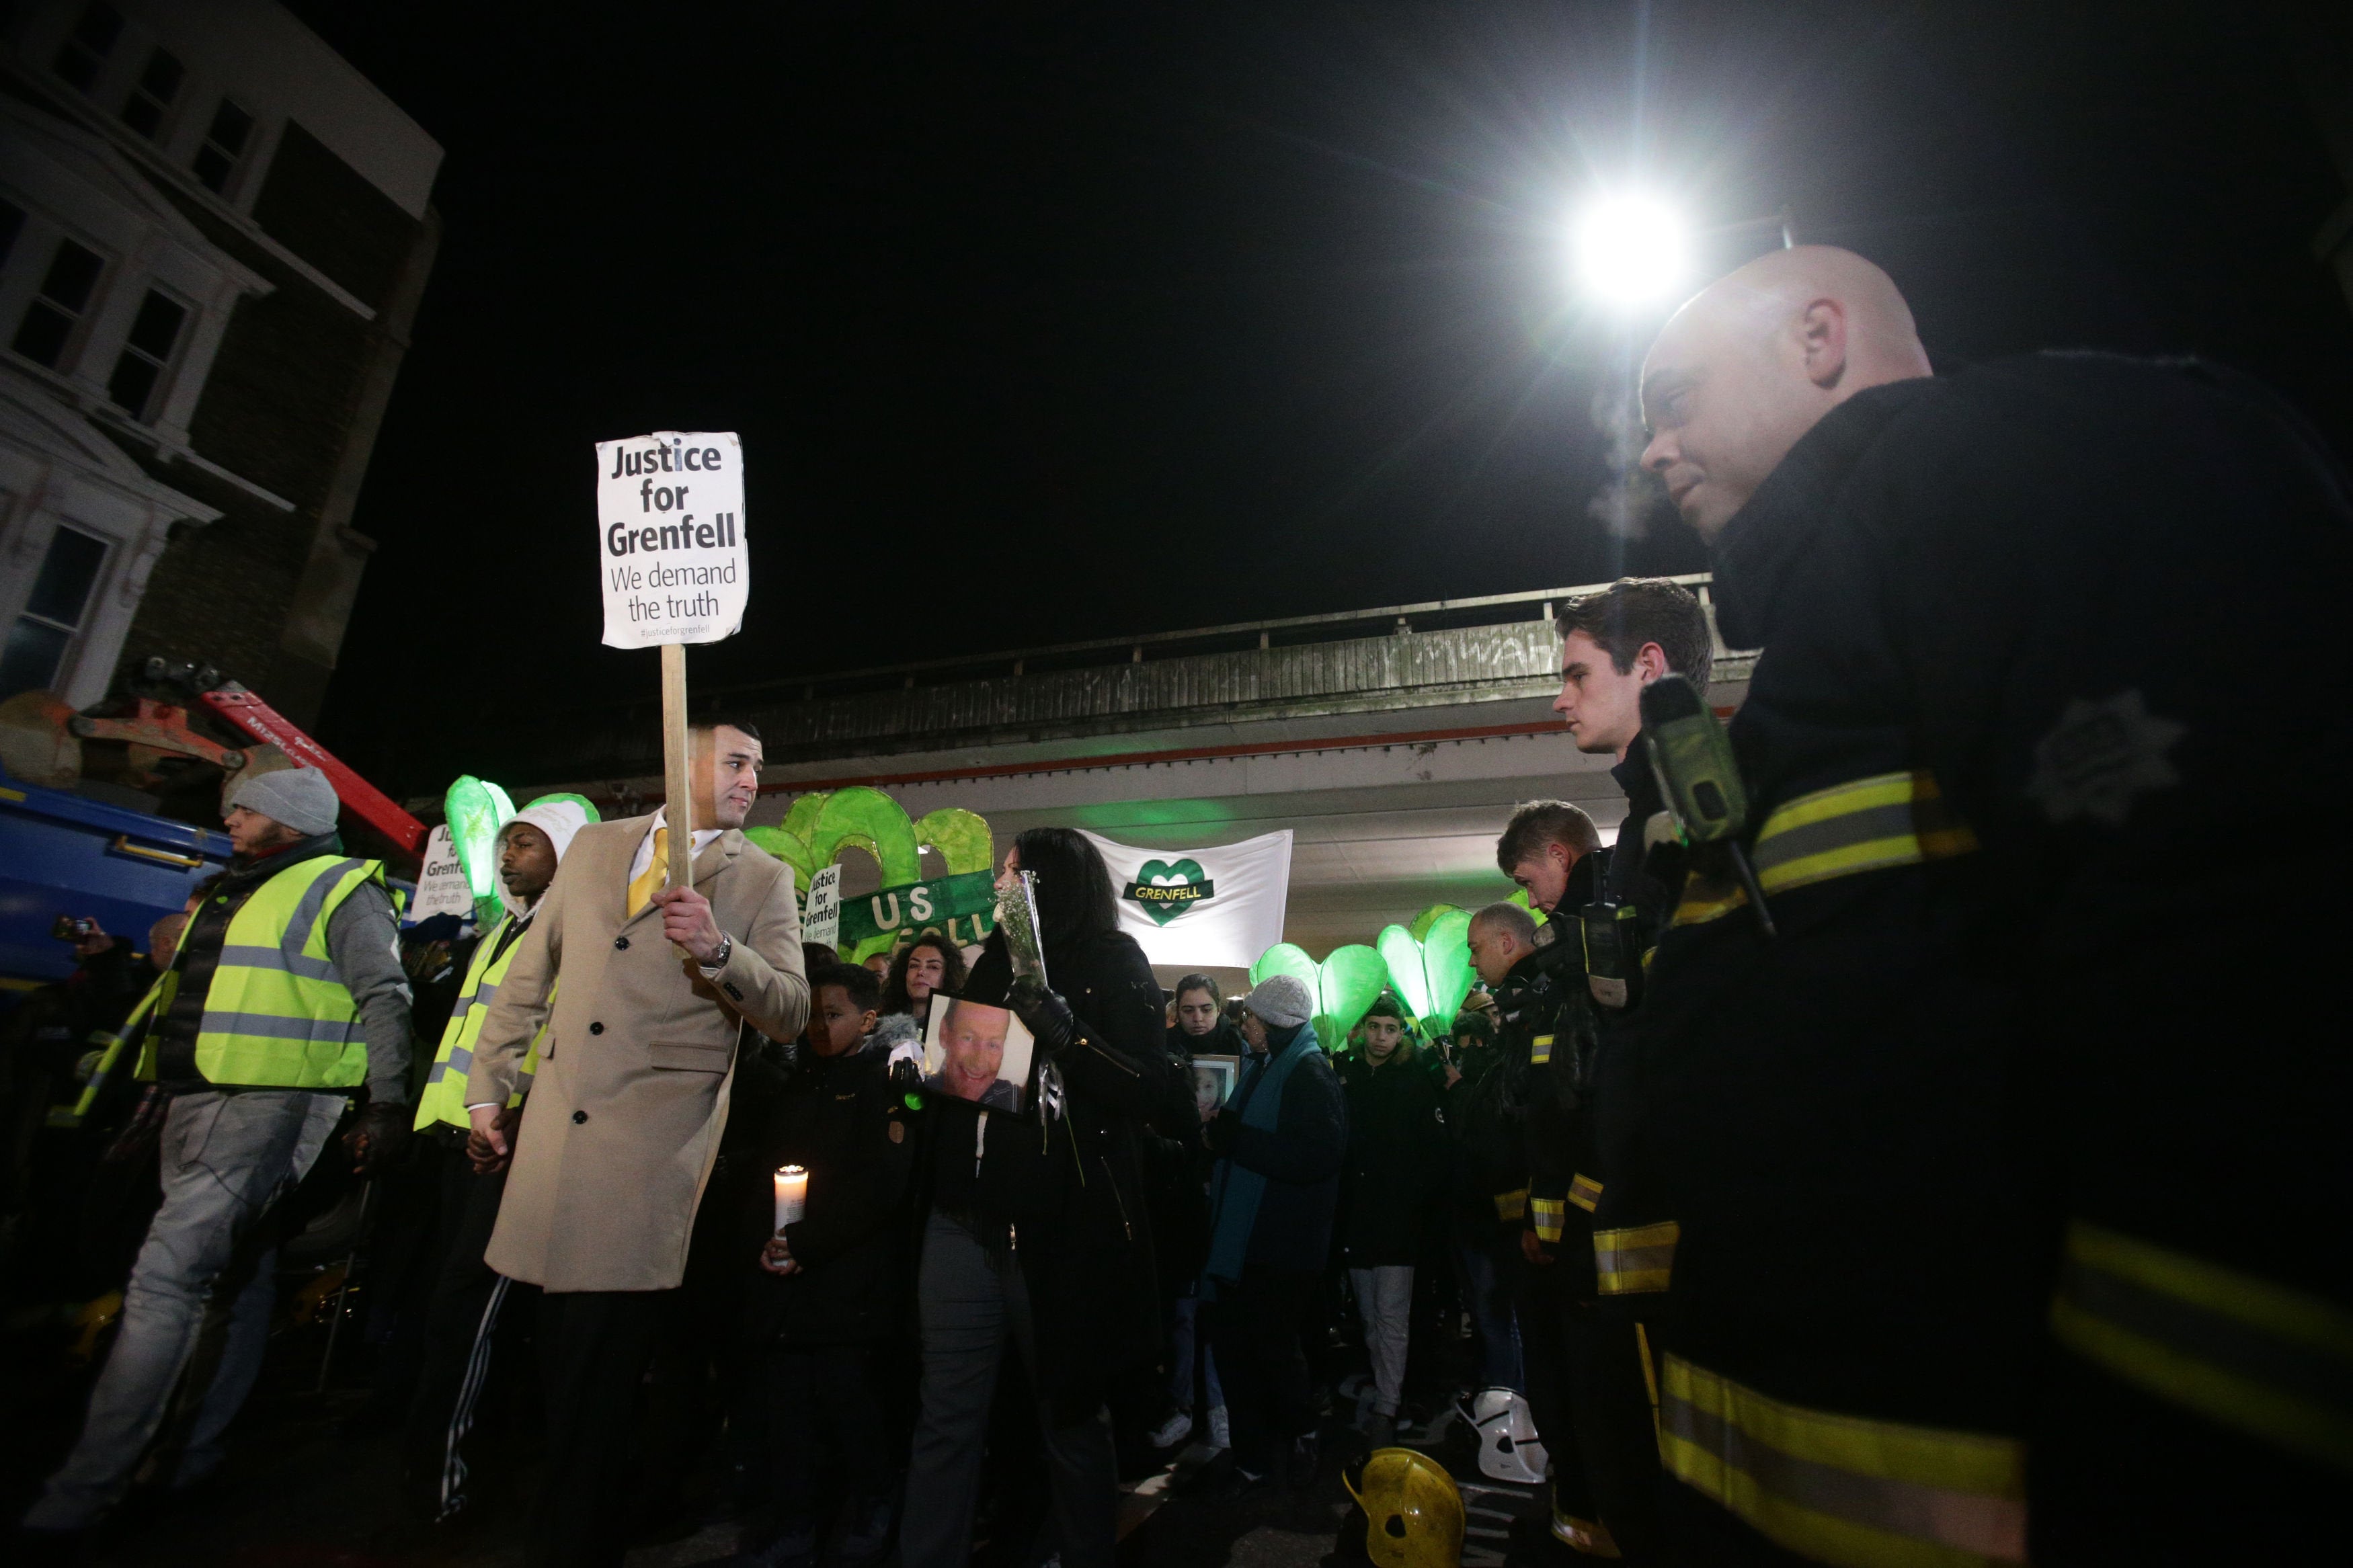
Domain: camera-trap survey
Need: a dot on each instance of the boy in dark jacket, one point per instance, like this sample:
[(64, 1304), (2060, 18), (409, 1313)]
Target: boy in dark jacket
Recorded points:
[(1396, 1169), (830, 1311)]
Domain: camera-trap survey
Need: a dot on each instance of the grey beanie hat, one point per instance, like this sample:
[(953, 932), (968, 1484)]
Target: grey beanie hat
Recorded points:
[(302, 798), (1281, 1000)]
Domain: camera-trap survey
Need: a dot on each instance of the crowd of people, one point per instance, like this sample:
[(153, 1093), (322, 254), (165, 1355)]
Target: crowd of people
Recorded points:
[(1867, 1157)]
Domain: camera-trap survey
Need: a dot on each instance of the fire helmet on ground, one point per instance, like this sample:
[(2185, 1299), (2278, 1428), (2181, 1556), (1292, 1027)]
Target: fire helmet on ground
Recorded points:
[(1413, 1511), (1509, 1449)]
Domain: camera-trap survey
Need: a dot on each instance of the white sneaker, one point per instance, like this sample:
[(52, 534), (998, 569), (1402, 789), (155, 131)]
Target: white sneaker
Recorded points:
[(1174, 1430), (1220, 1435)]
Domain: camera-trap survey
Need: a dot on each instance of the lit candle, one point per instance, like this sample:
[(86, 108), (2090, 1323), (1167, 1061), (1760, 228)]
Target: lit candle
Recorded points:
[(792, 1195)]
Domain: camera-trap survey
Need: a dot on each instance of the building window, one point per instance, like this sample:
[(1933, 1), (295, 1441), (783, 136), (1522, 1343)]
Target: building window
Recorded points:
[(158, 85), (148, 349), (87, 46), (44, 633), (224, 145), (49, 320)]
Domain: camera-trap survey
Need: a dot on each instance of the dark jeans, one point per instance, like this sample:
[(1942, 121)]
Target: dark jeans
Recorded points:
[(594, 1348), (971, 1307), (829, 1429), (454, 1358), (1253, 1327), (1487, 1291)]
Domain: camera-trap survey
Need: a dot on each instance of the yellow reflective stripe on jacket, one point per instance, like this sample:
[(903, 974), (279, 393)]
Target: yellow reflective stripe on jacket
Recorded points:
[(158, 999), (276, 1015), (444, 1098), (1585, 1192), (2258, 1357), (1864, 824), (1540, 1050), (1840, 1489), (1634, 1262), (1512, 1205), (1549, 1214)]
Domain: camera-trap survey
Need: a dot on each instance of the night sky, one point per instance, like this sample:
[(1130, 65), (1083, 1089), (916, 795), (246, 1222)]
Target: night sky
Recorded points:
[(1042, 322)]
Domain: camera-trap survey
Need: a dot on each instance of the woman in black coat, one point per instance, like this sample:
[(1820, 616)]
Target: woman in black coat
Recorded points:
[(1034, 1228)]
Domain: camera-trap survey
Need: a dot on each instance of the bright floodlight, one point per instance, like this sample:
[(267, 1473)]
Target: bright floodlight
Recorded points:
[(1632, 249)]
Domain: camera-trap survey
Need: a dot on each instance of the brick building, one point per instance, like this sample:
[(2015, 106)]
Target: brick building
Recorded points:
[(214, 234)]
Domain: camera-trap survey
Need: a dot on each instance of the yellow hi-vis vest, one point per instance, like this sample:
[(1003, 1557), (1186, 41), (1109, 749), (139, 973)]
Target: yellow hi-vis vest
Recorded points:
[(277, 1015), (444, 1098)]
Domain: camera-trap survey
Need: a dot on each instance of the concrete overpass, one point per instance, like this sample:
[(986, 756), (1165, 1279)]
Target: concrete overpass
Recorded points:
[(1393, 742)]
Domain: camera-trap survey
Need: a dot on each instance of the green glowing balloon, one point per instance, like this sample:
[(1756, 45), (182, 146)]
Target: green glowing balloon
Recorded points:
[(1282, 958), (1403, 953), (1420, 929), (476, 809), (789, 847), (1446, 964), (962, 838), (1349, 982), (866, 819)]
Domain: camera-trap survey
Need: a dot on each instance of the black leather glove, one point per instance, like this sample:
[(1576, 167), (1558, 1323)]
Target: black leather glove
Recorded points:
[(1044, 1014), (378, 1135)]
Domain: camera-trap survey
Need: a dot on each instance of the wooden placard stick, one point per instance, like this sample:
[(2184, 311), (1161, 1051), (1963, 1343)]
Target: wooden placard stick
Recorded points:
[(678, 767)]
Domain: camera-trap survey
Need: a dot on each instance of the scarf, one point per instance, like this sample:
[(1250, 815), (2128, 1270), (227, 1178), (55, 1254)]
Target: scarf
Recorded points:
[(1235, 1190)]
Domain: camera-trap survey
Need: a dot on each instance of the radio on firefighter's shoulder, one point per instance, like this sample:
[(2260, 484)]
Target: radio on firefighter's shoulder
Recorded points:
[(1613, 951), (1691, 757)]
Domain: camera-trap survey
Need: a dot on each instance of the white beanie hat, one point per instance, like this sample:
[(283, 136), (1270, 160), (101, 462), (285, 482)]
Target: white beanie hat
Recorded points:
[(1281, 1000), (560, 820), (300, 797)]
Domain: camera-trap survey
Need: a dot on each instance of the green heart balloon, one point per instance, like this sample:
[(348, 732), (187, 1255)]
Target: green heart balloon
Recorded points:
[(1433, 975), (961, 837), (1403, 955), (1348, 981), (1344, 985), (1446, 962), (476, 810), (1420, 929)]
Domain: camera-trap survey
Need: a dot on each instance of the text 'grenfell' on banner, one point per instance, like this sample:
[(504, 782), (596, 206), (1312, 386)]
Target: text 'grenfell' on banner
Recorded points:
[(669, 538)]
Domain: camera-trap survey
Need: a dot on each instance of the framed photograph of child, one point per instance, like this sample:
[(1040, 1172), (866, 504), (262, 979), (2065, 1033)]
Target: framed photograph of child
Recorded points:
[(1213, 1082)]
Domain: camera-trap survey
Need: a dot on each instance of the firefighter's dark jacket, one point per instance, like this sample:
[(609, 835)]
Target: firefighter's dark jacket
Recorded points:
[(842, 1119), (2102, 602), (1547, 1045)]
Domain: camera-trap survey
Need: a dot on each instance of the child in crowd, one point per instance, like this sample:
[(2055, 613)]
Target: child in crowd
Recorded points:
[(831, 1306)]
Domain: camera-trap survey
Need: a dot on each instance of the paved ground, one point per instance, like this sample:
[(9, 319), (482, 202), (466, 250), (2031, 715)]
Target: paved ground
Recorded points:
[(311, 1486)]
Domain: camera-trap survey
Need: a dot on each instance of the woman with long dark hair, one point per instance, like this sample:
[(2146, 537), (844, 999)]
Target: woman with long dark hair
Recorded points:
[(1034, 1233), (929, 963)]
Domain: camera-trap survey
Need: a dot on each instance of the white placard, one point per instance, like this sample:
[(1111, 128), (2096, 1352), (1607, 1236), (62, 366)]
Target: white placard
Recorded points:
[(821, 921), (1219, 907), (441, 887), (669, 538)]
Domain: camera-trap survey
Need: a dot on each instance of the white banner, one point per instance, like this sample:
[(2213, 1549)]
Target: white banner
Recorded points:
[(821, 919), (441, 887), (669, 538), (1221, 907)]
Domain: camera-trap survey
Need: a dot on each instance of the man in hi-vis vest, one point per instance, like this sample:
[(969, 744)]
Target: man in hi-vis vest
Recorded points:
[(462, 1326), (291, 998)]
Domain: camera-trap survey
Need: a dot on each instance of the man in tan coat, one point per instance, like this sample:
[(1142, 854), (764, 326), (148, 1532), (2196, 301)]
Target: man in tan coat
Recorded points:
[(627, 1106)]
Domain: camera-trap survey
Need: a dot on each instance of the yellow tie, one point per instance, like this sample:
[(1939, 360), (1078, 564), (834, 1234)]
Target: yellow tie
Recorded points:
[(650, 881)]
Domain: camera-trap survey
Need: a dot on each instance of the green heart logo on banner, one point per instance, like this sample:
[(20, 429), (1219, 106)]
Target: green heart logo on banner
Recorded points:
[(1344, 985), (1165, 891)]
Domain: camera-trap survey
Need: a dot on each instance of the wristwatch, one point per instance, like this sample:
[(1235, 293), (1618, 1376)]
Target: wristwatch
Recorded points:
[(719, 959)]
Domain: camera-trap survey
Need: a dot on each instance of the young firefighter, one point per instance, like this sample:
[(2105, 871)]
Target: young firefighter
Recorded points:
[(1547, 1015), (831, 1307), (1396, 1162), (468, 1296)]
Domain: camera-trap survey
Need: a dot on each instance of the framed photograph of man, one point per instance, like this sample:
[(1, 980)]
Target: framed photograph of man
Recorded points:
[(977, 1053), (1213, 1082)]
